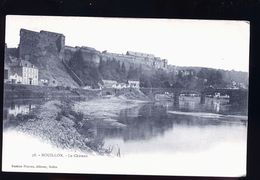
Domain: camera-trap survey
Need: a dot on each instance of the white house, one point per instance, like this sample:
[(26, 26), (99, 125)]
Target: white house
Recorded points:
[(44, 82), (24, 73), (87, 87), (116, 85), (16, 79), (109, 83), (120, 86), (134, 84)]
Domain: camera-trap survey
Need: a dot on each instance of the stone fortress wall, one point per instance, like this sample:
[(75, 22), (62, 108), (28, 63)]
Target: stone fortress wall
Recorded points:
[(138, 59), (29, 40), (38, 43), (91, 54), (47, 50)]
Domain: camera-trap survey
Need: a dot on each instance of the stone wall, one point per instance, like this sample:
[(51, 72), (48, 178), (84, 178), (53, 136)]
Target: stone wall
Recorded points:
[(11, 52), (46, 51), (90, 55), (29, 41), (129, 59), (145, 60), (68, 53), (86, 54), (131, 53), (17, 91), (33, 44)]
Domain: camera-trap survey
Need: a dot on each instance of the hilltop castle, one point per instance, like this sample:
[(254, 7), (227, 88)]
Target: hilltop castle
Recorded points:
[(47, 50), (30, 41), (62, 65)]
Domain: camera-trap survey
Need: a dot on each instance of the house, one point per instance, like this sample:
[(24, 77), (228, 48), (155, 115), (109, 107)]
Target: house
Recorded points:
[(120, 86), (44, 82), (219, 96), (6, 73), (116, 85), (109, 83), (87, 87), (23, 72), (123, 85), (134, 84)]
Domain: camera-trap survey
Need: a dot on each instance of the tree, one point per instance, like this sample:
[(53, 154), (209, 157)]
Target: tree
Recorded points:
[(214, 77), (178, 85), (145, 81), (123, 73), (133, 73)]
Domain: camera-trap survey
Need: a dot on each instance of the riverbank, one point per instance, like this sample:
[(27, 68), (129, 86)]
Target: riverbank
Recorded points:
[(107, 110), (239, 118), (172, 135), (22, 91), (70, 124), (54, 123)]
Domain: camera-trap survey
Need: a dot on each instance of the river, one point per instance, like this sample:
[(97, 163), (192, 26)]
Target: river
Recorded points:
[(153, 131)]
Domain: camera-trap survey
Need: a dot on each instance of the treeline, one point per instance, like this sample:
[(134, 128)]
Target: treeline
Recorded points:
[(188, 79), (92, 74), (114, 70)]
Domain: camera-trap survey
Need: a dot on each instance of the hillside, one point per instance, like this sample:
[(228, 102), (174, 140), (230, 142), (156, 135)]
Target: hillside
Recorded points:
[(228, 76), (47, 51)]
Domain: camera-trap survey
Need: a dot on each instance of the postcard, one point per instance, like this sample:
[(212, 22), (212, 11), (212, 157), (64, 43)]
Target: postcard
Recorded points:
[(134, 96)]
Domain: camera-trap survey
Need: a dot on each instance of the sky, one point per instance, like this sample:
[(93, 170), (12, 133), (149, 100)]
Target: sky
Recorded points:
[(204, 43)]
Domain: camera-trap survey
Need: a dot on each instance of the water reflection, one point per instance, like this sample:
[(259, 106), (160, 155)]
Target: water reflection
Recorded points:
[(20, 109), (150, 128), (12, 108), (217, 105), (153, 120), (156, 129), (189, 103)]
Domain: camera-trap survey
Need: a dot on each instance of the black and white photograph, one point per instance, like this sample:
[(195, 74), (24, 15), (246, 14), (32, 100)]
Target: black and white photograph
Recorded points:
[(132, 96)]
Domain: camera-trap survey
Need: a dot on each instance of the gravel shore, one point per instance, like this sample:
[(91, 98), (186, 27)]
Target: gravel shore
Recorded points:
[(70, 124)]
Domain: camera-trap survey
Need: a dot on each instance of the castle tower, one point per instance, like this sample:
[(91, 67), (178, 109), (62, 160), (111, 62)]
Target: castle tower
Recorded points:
[(38, 44)]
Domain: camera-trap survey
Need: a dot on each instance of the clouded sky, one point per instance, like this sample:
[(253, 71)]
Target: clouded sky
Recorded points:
[(216, 44)]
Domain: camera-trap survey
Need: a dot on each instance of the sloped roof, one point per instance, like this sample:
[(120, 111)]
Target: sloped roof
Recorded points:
[(23, 63)]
